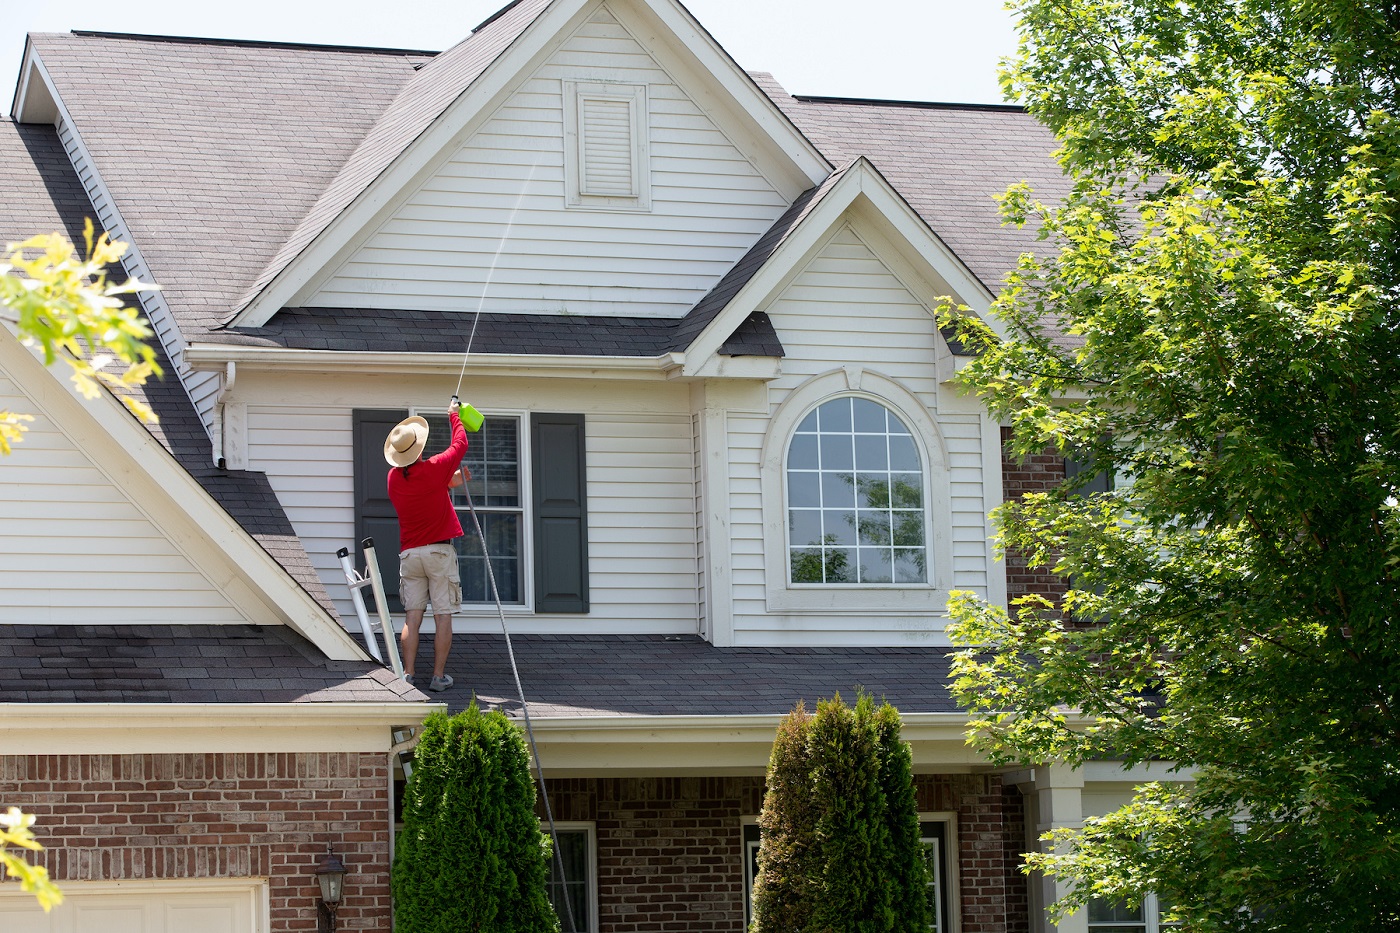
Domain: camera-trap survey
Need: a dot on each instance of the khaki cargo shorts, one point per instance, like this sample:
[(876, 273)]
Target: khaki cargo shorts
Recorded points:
[(430, 573)]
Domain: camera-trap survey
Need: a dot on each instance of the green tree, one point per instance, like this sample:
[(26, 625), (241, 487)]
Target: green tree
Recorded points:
[(68, 308), (1214, 316), (15, 831), (841, 850), (471, 855)]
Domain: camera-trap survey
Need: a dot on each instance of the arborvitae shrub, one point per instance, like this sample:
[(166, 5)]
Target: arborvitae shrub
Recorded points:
[(471, 856), (782, 902), (841, 850)]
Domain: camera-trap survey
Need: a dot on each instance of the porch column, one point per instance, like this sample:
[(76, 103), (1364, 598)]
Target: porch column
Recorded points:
[(1058, 793)]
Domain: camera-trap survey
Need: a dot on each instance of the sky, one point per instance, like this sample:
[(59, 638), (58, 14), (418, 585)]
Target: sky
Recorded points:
[(931, 50)]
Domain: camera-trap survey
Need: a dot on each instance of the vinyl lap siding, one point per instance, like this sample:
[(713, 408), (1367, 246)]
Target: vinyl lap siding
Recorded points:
[(74, 549), (709, 204), (641, 514), (847, 309)]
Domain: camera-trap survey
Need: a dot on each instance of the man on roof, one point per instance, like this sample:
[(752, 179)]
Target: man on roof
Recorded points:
[(421, 491)]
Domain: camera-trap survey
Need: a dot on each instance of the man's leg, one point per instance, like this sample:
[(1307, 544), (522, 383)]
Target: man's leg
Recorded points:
[(408, 638), (442, 641)]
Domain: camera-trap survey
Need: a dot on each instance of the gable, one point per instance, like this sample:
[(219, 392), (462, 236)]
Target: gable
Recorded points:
[(534, 213), (76, 548), (99, 523)]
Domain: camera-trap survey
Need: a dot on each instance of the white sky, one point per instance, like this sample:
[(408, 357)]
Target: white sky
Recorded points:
[(932, 50)]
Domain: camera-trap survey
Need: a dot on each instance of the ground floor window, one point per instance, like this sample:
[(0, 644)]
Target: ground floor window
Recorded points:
[(1116, 917), (578, 853)]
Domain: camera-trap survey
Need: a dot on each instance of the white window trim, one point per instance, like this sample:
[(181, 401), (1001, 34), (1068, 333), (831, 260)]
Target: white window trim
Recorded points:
[(750, 877), (591, 829), (526, 606), (938, 532), (950, 821), (635, 95)]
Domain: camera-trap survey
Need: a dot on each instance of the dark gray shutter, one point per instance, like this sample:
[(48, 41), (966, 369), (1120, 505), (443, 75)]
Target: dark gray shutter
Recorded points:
[(561, 513), (374, 513)]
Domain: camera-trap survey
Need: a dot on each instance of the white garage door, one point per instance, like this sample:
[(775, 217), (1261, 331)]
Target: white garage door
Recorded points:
[(141, 907)]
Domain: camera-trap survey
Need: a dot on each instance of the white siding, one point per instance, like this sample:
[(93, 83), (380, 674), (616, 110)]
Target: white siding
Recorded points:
[(440, 250), (847, 309), (75, 549), (642, 540)]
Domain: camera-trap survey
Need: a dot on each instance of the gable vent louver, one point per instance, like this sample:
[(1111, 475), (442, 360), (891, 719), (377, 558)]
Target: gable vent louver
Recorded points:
[(607, 156), (609, 169)]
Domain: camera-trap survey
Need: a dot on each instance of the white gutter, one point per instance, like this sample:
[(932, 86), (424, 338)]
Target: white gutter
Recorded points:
[(212, 357)]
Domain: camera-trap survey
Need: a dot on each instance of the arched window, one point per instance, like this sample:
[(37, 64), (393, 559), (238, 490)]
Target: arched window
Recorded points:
[(855, 497)]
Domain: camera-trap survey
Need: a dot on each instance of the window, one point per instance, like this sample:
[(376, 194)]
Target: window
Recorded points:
[(606, 150), (579, 884), (529, 487), (855, 497), (934, 835), (750, 836), (1110, 917), (493, 458)]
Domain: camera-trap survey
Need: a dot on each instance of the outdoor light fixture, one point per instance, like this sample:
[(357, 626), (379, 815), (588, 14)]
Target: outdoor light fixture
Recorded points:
[(330, 874)]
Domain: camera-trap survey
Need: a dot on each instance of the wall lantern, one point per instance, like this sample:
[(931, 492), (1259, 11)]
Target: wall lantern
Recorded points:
[(330, 874)]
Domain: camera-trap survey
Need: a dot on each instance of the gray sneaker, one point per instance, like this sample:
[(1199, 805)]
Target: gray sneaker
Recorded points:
[(408, 679), (439, 684)]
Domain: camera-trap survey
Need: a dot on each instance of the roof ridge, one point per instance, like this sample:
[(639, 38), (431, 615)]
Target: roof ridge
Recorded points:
[(912, 104), (249, 43)]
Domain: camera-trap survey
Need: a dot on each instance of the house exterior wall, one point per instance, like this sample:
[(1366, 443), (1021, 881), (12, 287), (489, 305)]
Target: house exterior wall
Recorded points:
[(848, 313), (1039, 473), (439, 251), (64, 518), (215, 816), (670, 851), (640, 455)]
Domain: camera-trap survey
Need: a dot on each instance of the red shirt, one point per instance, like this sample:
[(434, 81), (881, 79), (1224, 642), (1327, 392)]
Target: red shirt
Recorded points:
[(421, 497)]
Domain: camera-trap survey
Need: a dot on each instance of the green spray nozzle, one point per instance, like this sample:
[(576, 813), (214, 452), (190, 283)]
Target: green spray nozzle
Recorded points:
[(471, 418)]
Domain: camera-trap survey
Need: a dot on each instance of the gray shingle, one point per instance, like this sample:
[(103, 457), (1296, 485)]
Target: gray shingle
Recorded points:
[(198, 664), (659, 675)]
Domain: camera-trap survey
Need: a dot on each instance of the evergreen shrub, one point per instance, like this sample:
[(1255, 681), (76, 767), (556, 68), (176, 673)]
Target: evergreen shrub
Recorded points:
[(841, 850), (471, 856)]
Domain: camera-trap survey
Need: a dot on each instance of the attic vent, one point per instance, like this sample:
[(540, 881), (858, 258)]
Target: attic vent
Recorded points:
[(606, 150)]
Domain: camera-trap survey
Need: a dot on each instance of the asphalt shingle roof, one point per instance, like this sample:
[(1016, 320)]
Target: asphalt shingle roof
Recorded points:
[(213, 151), (682, 675), (43, 194), (422, 100), (182, 664)]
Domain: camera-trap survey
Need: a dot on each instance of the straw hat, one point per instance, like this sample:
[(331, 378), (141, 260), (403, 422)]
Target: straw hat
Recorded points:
[(406, 441)]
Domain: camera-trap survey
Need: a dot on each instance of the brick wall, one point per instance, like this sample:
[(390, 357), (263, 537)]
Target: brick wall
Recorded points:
[(990, 826), (670, 854), (233, 815), (1039, 473), (669, 849)]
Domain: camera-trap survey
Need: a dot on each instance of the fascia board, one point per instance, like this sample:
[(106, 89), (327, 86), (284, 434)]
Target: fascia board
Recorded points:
[(152, 728), (134, 461), (454, 125), (718, 744), (772, 138), (252, 359)]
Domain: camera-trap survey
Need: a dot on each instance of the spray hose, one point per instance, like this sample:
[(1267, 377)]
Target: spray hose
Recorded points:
[(524, 707)]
